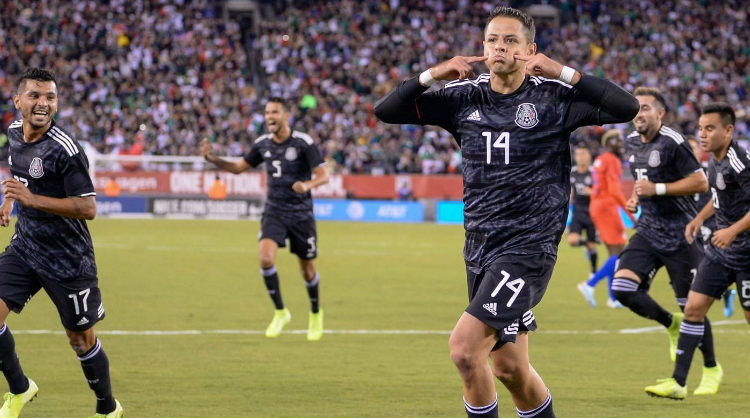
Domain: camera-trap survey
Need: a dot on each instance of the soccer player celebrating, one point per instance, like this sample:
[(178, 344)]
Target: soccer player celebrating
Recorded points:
[(667, 176), (581, 182), (513, 126), (606, 201), (727, 258), (52, 247), (291, 160)]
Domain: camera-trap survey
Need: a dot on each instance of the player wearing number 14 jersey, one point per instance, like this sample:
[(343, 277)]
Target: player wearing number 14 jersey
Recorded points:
[(291, 159), (513, 126)]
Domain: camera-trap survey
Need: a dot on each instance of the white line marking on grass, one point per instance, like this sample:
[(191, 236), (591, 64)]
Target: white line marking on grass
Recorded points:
[(658, 329)]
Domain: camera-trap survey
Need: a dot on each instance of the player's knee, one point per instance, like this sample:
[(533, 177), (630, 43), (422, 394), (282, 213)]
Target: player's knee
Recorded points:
[(747, 316), (694, 313), (573, 239), (80, 342), (461, 355), (510, 373), (266, 261)]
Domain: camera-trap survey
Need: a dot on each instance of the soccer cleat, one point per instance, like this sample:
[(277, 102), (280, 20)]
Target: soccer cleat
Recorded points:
[(117, 413), (614, 303), (15, 402), (673, 332), (280, 319), (667, 388), (588, 293), (710, 381), (729, 303), (315, 326)]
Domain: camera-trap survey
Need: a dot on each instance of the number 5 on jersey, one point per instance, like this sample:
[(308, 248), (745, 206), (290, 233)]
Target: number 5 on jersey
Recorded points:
[(502, 141)]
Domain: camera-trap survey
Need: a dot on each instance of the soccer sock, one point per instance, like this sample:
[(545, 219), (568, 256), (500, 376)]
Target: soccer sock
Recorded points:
[(707, 345), (593, 258), (607, 270), (95, 366), (312, 292), (626, 291), (9, 363), (543, 411), (609, 287), (691, 334), (272, 284), (489, 411)]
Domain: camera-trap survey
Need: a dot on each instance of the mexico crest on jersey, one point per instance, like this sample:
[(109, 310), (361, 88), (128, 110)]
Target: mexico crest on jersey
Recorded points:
[(654, 159), (526, 116), (36, 170), (291, 154), (720, 181)]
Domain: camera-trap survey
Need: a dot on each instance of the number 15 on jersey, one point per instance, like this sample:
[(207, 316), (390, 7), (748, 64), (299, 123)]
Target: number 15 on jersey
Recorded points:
[(502, 141)]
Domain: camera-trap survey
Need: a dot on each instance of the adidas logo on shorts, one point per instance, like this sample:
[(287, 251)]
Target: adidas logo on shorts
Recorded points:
[(82, 321), (491, 307)]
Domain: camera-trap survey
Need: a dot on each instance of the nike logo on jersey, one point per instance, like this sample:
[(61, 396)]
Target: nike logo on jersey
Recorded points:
[(474, 116), (491, 307)]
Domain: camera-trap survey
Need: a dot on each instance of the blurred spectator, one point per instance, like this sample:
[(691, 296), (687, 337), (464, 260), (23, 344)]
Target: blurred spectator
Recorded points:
[(112, 189), (217, 191)]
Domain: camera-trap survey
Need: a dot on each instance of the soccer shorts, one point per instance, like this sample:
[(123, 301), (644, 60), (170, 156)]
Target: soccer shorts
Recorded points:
[(714, 278), (302, 235), (582, 221), (645, 260), (606, 218), (78, 302), (504, 293)]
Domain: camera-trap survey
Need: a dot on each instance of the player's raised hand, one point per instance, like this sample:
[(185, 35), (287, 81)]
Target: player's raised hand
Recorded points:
[(457, 68), (540, 65), (206, 149), (724, 237), (18, 191), (692, 230)]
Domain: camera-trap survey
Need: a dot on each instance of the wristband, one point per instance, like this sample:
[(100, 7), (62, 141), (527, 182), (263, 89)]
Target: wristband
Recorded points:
[(661, 189), (426, 79), (566, 75)]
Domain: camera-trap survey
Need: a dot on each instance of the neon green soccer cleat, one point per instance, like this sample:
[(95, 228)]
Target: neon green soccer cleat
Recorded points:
[(673, 332), (667, 388), (315, 326), (117, 413), (280, 319), (710, 381), (15, 402)]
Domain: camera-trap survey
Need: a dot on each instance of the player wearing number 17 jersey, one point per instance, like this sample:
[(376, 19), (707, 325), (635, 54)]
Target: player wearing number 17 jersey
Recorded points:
[(513, 126)]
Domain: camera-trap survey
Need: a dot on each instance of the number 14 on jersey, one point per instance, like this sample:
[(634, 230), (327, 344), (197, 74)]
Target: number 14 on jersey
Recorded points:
[(502, 141)]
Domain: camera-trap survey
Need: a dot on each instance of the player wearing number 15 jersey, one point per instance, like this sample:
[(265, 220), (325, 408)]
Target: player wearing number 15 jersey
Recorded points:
[(291, 159), (52, 248), (513, 126)]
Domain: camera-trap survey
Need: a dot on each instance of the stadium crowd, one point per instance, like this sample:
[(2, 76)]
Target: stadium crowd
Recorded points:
[(154, 77)]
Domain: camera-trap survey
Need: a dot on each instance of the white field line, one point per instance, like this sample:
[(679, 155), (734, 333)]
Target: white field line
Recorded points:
[(658, 329)]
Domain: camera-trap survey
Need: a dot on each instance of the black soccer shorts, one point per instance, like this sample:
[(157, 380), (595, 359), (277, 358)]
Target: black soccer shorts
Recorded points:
[(714, 278), (302, 235), (503, 295), (645, 260), (581, 222), (78, 302)]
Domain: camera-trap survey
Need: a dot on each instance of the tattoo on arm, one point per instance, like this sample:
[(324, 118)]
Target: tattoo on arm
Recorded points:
[(77, 207)]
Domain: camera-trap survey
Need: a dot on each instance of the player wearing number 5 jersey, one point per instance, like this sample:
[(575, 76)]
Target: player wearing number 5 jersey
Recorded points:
[(727, 258), (291, 159), (52, 248), (513, 126)]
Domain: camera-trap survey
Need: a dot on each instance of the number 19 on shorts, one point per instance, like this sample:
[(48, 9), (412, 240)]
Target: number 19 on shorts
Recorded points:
[(502, 141)]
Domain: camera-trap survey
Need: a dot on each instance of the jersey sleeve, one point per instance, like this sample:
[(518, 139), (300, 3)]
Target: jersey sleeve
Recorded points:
[(253, 157), (75, 174), (313, 156), (742, 166), (435, 108), (684, 160)]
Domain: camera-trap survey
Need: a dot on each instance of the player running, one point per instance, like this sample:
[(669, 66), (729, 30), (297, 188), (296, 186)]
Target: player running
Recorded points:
[(581, 182), (294, 166)]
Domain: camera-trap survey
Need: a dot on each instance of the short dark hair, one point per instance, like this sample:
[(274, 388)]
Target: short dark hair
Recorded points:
[(34, 73), (654, 93), (723, 109), (526, 20), (276, 99)]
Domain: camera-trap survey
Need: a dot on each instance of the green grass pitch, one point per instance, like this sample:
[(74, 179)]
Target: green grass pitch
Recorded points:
[(202, 276)]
